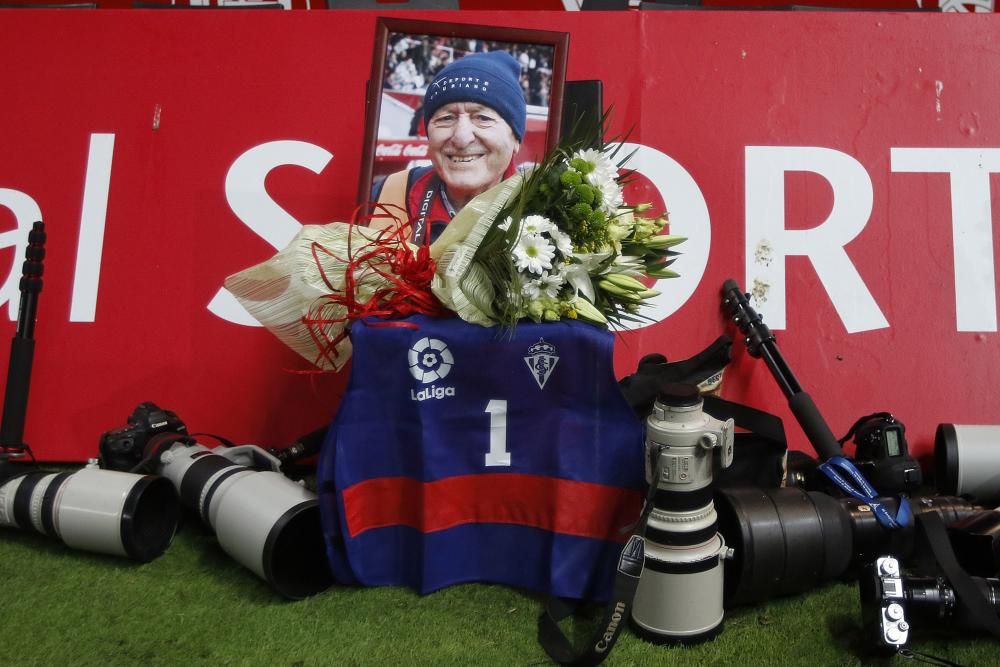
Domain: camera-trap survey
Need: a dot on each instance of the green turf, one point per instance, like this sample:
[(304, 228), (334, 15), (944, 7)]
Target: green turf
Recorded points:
[(196, 606)]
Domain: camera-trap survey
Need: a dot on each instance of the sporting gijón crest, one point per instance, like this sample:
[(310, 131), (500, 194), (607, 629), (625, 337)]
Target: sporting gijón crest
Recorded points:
[(542, 359)]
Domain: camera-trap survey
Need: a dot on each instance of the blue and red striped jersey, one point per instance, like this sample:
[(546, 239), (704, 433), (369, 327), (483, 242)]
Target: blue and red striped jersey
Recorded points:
[(462, 453)]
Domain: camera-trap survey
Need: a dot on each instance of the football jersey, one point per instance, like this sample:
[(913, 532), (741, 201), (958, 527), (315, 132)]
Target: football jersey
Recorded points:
[(463, 453)]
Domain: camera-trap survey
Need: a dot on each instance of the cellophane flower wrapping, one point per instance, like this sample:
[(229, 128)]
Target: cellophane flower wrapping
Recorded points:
[(289, 294), (460, 283)]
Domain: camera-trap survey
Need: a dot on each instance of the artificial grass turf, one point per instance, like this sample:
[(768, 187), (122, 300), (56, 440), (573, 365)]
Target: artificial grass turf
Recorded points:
[(196, 606)]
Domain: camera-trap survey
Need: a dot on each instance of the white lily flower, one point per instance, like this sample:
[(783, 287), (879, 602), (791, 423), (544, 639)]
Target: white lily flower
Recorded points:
[(579, 278), (617, 230), (630, 266)]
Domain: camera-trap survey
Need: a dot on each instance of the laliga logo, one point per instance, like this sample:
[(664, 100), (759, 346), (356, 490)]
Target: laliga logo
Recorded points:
[(430, 360)]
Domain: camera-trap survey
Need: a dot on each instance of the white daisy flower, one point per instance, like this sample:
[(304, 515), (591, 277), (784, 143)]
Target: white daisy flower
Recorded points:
[(590, 155), (564, 244), (550, 284), (536, 224), (532, 289), (611, 196), (533, 253), (604, 168)]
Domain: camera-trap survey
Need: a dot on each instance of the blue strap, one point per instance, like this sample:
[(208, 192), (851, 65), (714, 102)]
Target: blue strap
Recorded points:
[(858, 487)]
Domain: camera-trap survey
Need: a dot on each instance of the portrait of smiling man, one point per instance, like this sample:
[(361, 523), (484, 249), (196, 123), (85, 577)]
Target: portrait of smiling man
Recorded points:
[(475, 115)]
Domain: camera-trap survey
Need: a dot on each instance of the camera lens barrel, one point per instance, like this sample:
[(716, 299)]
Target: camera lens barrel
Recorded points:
[(102, 511), (789, 540), (871, 539), (784, 540), (267, 522), (679, 598), (967, 461)]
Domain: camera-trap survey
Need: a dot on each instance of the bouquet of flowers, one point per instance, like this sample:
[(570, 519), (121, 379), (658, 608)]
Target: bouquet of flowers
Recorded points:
[(555, 242)]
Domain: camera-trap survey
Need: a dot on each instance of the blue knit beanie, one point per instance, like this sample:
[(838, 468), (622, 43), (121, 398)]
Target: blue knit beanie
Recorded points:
[(491, 79)]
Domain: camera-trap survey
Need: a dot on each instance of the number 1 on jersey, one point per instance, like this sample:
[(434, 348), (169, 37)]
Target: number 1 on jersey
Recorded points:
[(498, 454)]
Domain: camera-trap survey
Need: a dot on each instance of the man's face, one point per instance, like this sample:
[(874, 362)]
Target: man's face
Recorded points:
[(470, 147)]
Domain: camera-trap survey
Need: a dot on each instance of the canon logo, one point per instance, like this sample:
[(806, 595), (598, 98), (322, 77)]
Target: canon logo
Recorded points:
[(609, 632)]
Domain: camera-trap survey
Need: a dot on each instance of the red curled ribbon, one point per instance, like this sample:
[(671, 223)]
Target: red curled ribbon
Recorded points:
[(388, 260)]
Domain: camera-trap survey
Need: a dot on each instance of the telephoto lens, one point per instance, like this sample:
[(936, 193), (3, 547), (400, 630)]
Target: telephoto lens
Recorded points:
[(785, 540), (680, 592), (267, 522), (103, 511), (967, 461), (789, 540)]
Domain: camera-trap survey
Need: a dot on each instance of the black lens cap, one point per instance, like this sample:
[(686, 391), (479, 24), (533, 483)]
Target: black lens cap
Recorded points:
[(678, 394)]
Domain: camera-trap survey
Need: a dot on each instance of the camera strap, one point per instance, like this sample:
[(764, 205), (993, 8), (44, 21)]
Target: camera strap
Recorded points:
[(885, 416), (759, 449), (641, 388), (925, 658), (845, 475), (616, 613), (10, 472)]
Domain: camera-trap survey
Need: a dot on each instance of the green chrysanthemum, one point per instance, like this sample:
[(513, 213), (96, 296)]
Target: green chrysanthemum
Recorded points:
[(581, 211), (581, 165), (570, 178), (586, 193)]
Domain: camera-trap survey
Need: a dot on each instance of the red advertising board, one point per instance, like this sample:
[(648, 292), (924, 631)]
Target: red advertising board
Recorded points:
[(841, 166)]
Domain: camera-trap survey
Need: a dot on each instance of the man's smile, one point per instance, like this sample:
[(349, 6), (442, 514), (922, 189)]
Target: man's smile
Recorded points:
[(463, 159)]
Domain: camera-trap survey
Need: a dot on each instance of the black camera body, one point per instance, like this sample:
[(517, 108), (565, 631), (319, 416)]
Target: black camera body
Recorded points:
[(124, 448), (882, 456)]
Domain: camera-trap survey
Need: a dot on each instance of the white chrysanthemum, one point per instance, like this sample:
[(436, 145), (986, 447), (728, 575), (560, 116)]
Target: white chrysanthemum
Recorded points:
[(536, 224), (532, 289), (604, 177), (590, 155), (604, 168), (611, 196), (564, 244), (550, 284), (533, 253)]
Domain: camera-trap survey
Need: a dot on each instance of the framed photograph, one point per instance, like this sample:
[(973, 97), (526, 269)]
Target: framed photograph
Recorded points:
[(421, 65)]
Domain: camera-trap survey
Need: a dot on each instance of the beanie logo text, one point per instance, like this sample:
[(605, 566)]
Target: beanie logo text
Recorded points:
[(460, 82)]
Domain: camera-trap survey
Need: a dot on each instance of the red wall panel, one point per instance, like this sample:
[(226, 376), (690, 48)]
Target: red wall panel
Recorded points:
[(720, 96)]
